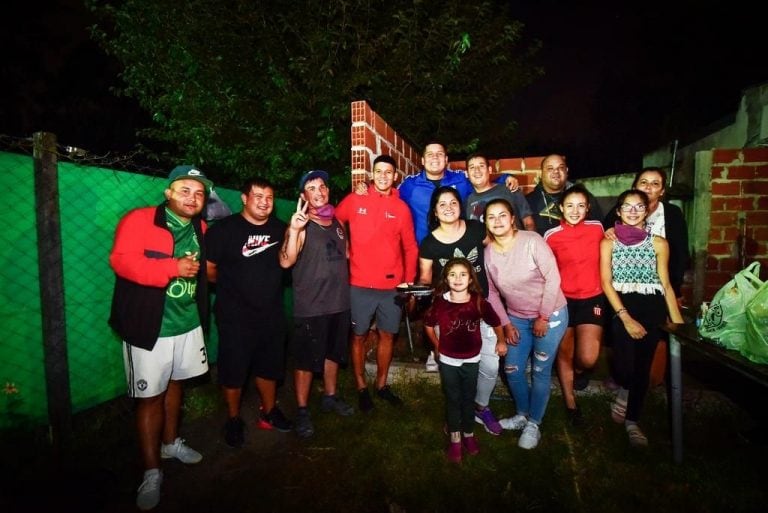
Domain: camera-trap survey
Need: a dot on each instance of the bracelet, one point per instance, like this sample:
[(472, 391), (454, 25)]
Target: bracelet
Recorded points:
[(619, 312)]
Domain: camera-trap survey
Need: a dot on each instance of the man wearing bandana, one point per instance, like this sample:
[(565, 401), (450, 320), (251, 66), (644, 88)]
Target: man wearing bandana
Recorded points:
[(316, 246)]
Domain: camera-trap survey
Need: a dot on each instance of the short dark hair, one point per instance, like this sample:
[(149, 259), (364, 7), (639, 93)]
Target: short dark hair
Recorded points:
[(476, 155), (433, 141), (386, 159), (256, 181)]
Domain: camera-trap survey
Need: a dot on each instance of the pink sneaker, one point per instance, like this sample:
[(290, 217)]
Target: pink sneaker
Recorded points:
[(453, 452), (470, 445)]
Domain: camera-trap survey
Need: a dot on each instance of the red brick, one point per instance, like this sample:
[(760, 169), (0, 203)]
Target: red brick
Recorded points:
[(370, 139), (759, 187), (719, 172), (740, 203), (755, 154), (720, 188), (730, 233), (715, 234), (761, 171), (509, 165), (758, 233), (725, 156), (757, 218), (722, 219), (720, 248), (717, 279), (729, 265), (713, 264), (379, 126), (741, 172), (753, 248), (718, 204), (761, 203)]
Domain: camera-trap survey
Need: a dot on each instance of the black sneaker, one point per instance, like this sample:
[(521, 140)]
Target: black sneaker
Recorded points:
[(274, 420), (386, 393), (234, 432), (333, 403), (580, 380), (574, 416), (364, 401), (304, 427)]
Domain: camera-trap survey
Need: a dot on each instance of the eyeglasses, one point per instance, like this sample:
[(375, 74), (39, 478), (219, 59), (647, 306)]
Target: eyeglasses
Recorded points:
[(626, 207)]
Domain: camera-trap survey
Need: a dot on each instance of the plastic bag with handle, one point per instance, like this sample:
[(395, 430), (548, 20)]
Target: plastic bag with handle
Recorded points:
[(726, 319), (756, 341)]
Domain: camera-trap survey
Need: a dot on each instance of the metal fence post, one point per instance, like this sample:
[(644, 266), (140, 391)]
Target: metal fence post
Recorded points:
[(51, 281)]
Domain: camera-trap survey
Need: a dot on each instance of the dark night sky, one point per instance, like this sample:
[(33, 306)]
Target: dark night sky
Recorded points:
[(619, 80)]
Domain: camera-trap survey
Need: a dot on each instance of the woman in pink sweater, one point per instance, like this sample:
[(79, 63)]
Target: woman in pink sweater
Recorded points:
[(522, 272)]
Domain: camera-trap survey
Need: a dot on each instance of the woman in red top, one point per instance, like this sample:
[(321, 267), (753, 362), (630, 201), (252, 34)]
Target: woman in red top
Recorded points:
[(576, 245)]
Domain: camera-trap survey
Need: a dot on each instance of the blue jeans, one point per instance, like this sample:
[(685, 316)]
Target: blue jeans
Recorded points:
[(531, 399)]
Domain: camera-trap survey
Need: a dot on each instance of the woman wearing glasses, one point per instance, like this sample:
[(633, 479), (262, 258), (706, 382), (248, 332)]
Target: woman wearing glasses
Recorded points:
[(664, 220), (634, 271)]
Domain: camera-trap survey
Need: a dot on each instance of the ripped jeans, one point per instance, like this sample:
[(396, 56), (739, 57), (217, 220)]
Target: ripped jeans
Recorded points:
[(531, 399)]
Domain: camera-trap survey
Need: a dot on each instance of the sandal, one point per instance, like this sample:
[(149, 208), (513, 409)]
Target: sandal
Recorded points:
[(636, 437), (618, 410)]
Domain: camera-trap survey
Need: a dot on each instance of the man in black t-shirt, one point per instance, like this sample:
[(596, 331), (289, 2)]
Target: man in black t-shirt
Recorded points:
[(243, 251)]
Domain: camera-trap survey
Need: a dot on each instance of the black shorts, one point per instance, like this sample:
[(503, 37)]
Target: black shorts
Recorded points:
[(586, 311), (316, 339), (250, 346)]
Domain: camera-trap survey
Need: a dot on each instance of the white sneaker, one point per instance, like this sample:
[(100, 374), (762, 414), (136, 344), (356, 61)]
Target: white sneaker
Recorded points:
[(515, 423), (530, 437), (149, 491), (179, 450), (431, 363)]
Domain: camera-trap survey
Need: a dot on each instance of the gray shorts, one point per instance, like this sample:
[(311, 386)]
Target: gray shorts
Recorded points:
[(367, 303)]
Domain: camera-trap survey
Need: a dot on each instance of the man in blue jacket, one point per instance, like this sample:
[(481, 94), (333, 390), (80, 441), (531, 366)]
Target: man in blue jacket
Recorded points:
[(416, 190)]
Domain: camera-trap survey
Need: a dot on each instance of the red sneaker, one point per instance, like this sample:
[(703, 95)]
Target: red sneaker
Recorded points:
[(470, 445), (453, 452)]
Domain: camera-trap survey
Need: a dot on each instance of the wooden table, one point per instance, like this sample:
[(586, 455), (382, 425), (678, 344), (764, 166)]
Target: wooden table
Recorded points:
[(686, 335)]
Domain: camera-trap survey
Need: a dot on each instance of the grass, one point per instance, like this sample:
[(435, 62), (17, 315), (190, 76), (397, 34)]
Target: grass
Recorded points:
[(392, 461)]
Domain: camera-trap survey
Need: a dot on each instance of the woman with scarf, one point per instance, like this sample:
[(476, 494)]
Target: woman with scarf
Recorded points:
[(634, 271)]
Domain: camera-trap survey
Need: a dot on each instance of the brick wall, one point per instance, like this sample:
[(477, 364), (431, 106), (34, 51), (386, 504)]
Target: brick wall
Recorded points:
[(372, 136), (738, 233)]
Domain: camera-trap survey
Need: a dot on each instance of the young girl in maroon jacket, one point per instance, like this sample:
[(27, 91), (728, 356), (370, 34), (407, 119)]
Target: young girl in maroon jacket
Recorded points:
[(452, 324)]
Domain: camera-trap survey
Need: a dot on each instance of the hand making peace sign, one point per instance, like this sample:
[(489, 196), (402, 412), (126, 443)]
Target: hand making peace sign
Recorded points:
[(299, 219)]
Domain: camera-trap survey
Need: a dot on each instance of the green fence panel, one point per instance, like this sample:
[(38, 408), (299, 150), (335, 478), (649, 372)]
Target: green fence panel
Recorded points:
[(92, 201), (22, 372)]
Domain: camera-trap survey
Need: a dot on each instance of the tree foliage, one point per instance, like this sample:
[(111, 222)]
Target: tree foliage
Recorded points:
[(245, 86)]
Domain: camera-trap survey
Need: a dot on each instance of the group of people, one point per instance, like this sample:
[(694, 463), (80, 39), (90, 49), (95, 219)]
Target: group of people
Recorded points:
[(502, 291)]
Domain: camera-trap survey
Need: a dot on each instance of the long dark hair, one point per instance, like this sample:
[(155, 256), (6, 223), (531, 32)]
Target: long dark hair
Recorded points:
[(432, 220), (474, 284)]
